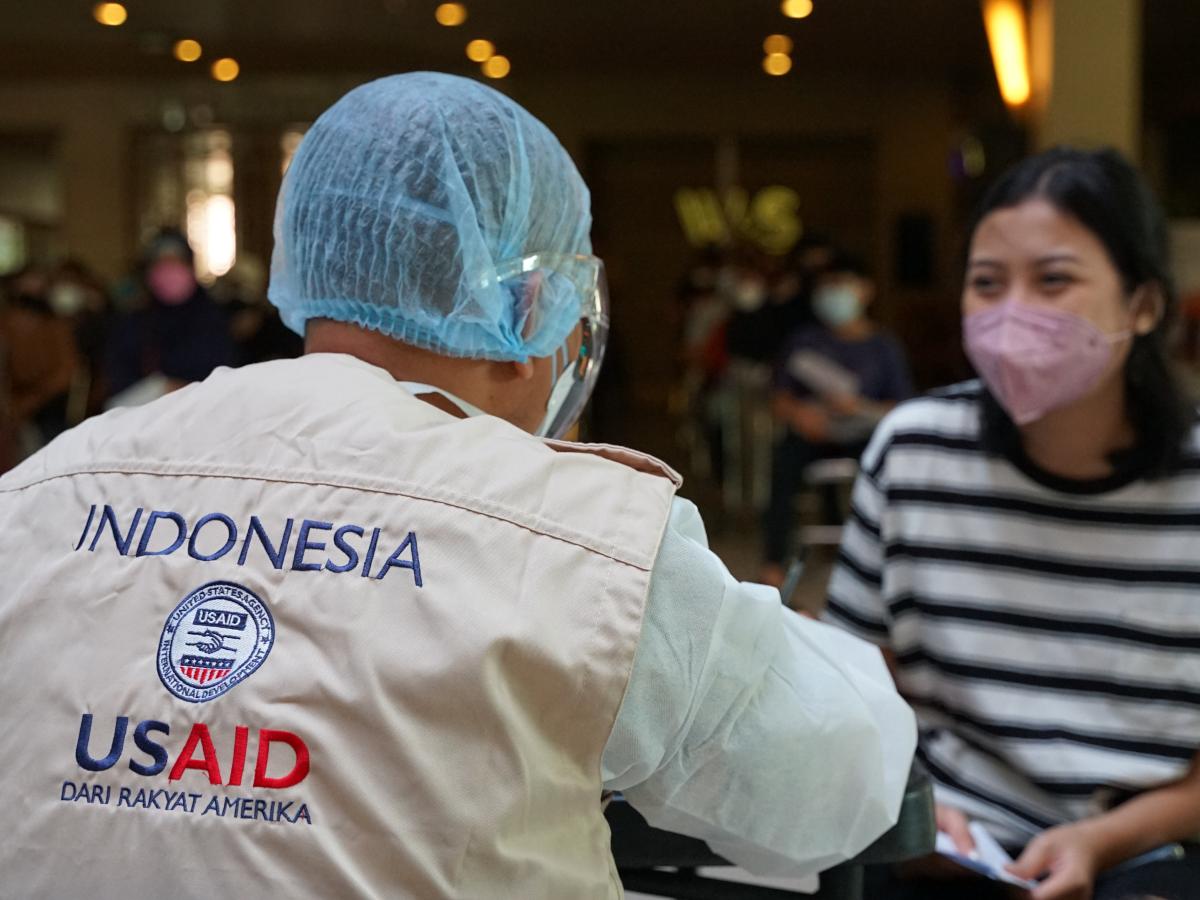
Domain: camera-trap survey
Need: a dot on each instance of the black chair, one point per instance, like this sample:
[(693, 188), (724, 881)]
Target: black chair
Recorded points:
[(645, 855)]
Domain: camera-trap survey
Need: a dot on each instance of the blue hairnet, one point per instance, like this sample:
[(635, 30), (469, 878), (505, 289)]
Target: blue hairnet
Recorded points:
[(403, 200)]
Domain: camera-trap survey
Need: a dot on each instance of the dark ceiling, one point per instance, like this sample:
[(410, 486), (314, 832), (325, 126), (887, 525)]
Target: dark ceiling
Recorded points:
[(935, 39), (59, 38)]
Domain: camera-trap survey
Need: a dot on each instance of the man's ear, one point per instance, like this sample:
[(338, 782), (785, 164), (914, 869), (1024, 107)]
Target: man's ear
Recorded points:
[(524, 370)]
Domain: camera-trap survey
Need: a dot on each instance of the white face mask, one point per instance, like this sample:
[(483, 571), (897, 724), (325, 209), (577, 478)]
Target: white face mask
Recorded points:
[(67, 299), (572, 381), (836, 305), (749, 295), (417, 389), (567, 396), (564, 382)]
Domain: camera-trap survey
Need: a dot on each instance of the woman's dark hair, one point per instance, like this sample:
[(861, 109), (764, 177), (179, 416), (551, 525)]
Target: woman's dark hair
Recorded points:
[(1104, 193)]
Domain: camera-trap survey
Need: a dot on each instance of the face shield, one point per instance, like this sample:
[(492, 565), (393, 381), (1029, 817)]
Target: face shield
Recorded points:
[(566, 286)]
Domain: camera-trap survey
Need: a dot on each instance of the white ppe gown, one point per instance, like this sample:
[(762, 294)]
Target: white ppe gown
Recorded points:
[(777, 739)]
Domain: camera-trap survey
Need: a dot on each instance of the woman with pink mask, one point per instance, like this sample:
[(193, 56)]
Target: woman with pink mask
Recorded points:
[(1027, 550), (179, 334)]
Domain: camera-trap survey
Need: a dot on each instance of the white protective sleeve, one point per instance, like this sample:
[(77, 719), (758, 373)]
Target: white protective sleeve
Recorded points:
[(778, 740)]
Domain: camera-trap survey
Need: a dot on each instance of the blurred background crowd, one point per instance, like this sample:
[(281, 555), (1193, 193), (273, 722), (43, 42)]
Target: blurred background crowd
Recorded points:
[(74, 346)]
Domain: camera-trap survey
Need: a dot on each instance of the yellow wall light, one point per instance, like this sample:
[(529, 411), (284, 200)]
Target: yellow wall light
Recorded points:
[(1009, 42)]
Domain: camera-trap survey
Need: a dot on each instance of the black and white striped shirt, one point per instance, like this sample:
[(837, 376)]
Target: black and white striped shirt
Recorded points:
[(1047, 632)]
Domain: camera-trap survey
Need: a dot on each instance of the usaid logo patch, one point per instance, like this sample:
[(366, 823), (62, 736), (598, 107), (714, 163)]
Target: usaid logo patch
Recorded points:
[(216, 638)]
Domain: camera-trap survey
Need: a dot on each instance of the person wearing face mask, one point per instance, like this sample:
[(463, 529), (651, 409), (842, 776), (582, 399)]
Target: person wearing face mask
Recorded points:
[(78, 296), (41, 360), (832, 385), (358, 624), (1024, 547), (179, 335), (793, 287)]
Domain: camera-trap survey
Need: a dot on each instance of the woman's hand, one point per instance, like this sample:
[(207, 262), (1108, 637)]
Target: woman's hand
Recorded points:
[(954, 823), (938, 867), (810, 421), (1068, 855), (846, 404)]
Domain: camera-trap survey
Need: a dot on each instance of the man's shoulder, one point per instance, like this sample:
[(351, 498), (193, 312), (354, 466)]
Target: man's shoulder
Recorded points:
[(624, 456), (221, 419)]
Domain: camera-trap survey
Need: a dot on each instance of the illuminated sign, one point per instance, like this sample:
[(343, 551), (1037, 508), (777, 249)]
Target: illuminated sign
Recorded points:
[(770, 219)]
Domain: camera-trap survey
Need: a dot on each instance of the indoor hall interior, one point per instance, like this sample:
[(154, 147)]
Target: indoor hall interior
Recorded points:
[(754, 167)]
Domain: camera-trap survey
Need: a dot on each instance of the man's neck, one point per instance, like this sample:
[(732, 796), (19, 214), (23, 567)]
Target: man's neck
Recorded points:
[(858, 330), (464, 378)]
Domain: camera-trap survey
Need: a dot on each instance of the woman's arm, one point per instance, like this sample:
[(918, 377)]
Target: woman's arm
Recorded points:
[(1170, 813), (808, 418), (1074, 854)]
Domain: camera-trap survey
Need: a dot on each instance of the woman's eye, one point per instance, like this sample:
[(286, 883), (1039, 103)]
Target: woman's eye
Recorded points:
[(1056, 280), (983, 284)]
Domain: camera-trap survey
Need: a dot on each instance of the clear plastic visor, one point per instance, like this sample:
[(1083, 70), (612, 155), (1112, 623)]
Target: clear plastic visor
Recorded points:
[(541, 283)]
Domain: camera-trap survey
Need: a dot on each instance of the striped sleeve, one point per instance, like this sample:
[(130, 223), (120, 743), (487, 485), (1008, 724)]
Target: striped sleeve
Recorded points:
[(855, 599)]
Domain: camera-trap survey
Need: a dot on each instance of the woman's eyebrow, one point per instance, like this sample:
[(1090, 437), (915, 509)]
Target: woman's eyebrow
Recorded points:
[(1057, 257), (985, 261)]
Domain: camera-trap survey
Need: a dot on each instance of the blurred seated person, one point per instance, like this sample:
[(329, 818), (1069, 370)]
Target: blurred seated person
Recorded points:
[(258, 333), (179, 336), (744, 285), (40, 362), (77, 295), (703, 311), (792, 288), (770, 299), (833, 384)]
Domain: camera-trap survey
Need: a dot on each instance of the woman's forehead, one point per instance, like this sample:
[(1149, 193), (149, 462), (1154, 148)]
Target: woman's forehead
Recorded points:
[(1033, 229)]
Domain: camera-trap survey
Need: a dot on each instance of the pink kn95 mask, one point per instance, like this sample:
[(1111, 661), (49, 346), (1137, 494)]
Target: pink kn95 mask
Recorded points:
[(1035, 360), (171, 281)]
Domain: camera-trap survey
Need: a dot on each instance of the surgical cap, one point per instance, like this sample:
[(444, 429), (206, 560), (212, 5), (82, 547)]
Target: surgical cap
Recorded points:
[(406, 203)]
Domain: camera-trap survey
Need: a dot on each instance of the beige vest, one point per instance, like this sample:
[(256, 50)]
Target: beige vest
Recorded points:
[(293, 633)]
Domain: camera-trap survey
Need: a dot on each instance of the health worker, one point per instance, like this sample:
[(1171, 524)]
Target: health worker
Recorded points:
[(355, 625)]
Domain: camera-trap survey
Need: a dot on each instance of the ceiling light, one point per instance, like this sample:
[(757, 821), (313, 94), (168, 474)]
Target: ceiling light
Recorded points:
[(187, 50), (451, 14), (797, 9), (225, 69), (777, 43), (497, 67), (480, 50), (110, 14), (777, 64)]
